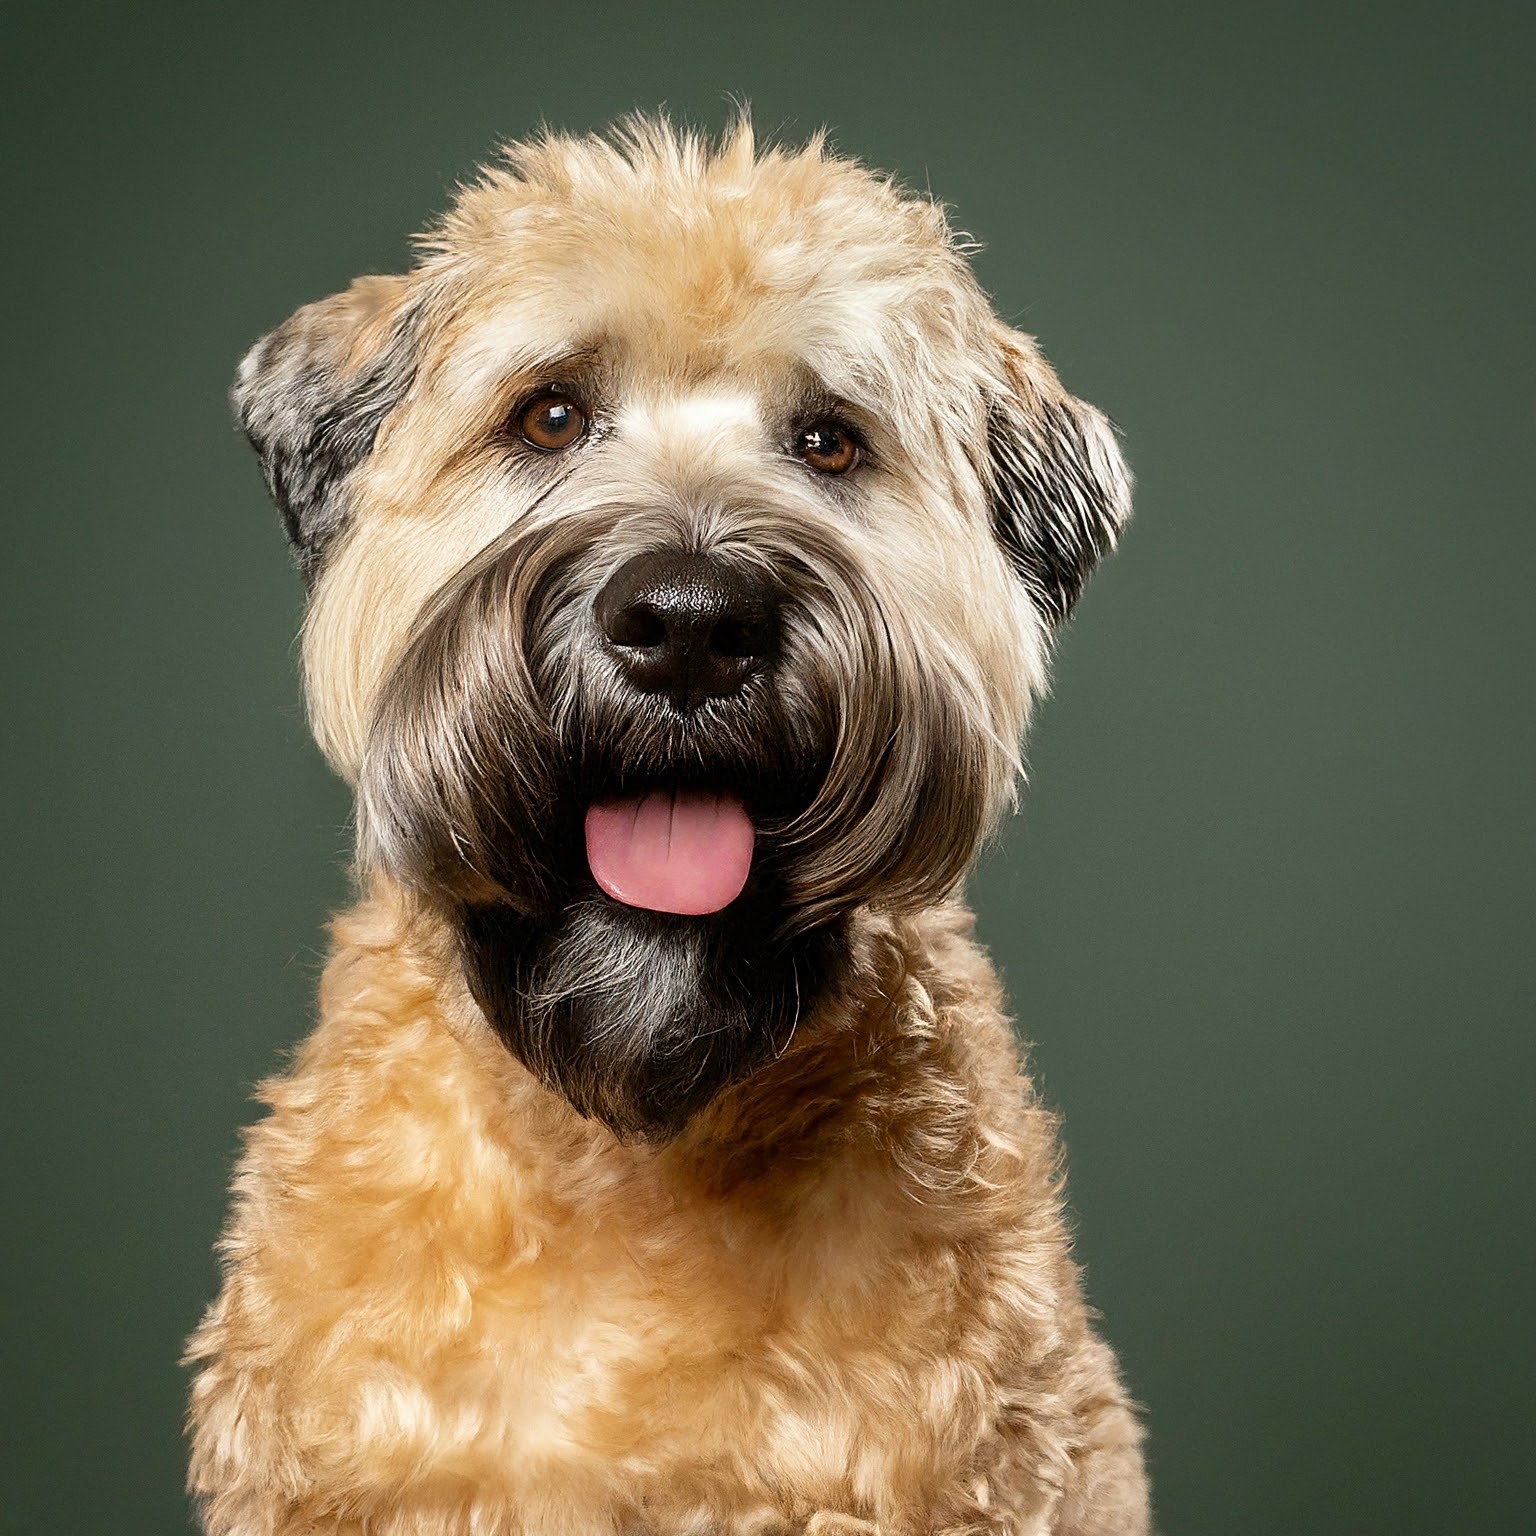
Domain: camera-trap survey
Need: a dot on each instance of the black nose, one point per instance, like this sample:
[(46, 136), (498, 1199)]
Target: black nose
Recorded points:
[(687, 625)]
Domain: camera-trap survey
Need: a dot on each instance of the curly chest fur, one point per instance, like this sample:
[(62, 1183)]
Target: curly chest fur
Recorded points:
[(843, 1281)]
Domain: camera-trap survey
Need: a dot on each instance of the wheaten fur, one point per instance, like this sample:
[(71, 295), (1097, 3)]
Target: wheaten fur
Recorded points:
[(838, 1296)]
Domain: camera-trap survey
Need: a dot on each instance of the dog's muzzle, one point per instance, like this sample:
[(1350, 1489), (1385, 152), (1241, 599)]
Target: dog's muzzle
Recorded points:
[(683, 629)]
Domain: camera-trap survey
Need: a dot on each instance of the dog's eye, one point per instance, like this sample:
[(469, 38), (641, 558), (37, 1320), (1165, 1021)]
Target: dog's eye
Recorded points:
[(550, 422), (828, 448)]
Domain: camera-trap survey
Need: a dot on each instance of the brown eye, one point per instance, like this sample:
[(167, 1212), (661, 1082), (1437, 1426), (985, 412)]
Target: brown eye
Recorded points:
[(551, 422), (828, 448)]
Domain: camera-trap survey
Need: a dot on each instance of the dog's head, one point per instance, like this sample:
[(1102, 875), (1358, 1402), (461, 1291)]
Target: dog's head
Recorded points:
[(685, 538)]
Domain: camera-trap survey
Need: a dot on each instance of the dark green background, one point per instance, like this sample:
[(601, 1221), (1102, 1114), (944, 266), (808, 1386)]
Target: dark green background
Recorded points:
[(1268, 911)]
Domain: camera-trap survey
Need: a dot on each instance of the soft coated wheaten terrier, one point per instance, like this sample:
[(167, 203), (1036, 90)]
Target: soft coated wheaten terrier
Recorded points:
[(685, 538)]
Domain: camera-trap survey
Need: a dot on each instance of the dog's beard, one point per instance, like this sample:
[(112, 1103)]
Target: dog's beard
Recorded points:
[(640, 1018), (865, 773)]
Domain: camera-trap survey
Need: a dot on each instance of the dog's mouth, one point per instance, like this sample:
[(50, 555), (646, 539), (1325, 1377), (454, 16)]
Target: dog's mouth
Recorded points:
[(689, 824), (684, 851)]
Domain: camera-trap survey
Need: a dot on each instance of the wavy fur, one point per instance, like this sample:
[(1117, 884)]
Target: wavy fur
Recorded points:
[(570, 1220)]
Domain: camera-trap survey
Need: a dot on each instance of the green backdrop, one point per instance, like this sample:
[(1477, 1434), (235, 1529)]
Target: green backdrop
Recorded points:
[(1268, 909)]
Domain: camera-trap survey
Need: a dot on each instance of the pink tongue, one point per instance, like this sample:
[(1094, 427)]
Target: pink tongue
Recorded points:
[(685, 852)]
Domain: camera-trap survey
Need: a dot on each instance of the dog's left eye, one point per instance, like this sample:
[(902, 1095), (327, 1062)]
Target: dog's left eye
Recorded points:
[(550, 422), (829, 448)]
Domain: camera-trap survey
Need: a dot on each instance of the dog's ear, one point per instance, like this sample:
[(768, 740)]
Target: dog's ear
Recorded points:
[(312, 396), (1060, 489)]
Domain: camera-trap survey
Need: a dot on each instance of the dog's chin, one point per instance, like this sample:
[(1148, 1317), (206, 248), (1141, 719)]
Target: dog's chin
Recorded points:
[(640, 1018)]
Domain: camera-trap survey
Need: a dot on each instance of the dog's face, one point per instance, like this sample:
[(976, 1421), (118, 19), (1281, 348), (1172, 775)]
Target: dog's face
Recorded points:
[(685, 538)]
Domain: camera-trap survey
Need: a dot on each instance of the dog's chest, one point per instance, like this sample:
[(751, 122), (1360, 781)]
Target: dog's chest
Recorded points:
[(648, 1332), (502, 1297), (662, 1329)]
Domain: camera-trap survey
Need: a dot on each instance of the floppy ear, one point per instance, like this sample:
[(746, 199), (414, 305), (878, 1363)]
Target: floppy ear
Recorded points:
[(311, 398), (1060, 490)]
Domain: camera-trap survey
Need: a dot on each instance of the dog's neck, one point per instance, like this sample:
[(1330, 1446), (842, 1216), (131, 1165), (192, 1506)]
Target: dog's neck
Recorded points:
[(828, 1083)]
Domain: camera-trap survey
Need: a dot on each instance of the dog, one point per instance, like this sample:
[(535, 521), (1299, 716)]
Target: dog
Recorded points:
[(685, 539)]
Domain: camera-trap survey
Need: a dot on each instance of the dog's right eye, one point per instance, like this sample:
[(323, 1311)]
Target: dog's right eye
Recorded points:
[(551, 421)]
